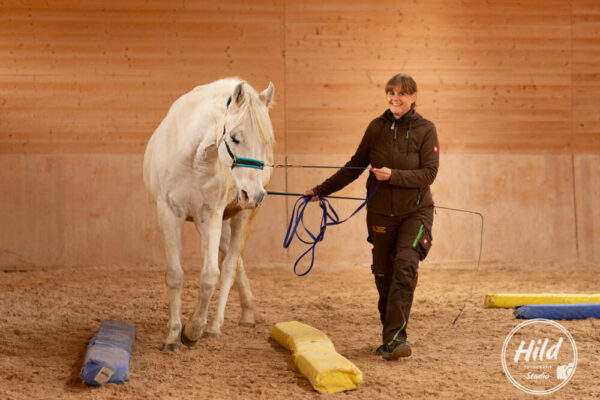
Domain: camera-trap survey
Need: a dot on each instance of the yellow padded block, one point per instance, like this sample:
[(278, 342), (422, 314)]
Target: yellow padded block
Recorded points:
[(316, 358), (298, 337), (509, 300), (329, 372)]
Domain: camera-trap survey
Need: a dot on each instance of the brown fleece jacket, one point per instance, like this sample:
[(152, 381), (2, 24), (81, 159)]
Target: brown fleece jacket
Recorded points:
[(409, 147)]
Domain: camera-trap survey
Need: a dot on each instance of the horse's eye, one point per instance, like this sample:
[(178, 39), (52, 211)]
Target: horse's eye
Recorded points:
[(234, 139)]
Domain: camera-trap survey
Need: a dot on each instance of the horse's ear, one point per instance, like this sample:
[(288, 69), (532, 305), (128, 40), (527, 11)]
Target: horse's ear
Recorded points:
[(267, 95), (238, 93)]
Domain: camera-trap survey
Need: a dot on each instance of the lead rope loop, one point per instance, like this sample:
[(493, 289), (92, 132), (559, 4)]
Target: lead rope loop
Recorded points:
[(329, 218)]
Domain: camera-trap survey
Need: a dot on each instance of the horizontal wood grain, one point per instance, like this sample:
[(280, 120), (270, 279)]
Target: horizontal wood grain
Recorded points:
[(101, 75), (512, 86)]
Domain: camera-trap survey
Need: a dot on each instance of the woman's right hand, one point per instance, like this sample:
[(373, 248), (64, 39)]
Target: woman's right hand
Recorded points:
[(309, 192)]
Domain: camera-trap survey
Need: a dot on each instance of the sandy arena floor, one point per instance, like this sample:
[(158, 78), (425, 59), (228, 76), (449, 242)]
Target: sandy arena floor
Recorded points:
[(47, 317)]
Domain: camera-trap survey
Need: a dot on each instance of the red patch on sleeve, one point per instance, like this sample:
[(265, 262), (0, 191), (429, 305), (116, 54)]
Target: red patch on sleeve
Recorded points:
[(435, 148)]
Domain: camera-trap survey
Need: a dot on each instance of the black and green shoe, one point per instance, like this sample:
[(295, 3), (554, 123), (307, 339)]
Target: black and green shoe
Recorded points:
[(380, 350), (396, 349)]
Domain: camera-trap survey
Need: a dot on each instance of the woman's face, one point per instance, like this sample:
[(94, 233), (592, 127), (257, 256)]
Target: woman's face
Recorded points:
[(400, 102)]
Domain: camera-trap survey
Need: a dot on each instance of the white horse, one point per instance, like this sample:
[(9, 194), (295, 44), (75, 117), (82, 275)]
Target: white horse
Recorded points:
[(189, 170)]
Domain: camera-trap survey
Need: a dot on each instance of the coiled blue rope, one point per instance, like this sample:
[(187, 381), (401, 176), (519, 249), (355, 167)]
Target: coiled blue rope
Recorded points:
[(329, 218)]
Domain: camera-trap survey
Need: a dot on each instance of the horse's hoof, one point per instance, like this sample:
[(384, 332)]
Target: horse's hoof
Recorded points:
[(213, 335), (170, 347), (185, 340), (248, 324)]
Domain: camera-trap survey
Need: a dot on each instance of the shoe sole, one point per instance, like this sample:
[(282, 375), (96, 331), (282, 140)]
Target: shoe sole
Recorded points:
[(399, 352)]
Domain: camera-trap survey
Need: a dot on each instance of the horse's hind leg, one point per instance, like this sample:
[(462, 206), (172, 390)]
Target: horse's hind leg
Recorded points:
[(246, 299), (171, 229)]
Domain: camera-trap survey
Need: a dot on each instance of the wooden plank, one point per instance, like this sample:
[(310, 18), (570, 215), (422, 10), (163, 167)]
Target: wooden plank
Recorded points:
[(493, 77), (586, 77), (102, 75)]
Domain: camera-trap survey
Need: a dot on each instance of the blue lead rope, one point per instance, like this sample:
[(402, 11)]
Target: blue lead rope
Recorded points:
[(329, 218)]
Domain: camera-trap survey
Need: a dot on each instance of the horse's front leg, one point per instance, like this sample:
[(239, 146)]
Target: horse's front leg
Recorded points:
[(210, 230), (240, 228), (171, 229)]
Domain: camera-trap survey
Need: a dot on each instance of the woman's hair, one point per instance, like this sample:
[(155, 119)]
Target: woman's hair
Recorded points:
[(406, 82)]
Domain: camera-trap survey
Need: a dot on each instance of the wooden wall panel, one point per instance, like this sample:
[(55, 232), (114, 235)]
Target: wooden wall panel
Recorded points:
[(586, 125), (97, 77), (587, 195), (92, 209), (494, 76), (82, 87), (512, 86), (527, 202), (586, 76)]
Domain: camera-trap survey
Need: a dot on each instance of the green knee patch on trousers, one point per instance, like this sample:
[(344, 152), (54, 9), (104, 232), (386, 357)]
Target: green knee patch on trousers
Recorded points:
[(419, 235)]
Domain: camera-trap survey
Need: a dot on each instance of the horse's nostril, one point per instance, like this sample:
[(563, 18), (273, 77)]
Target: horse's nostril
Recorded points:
[(244, 196)]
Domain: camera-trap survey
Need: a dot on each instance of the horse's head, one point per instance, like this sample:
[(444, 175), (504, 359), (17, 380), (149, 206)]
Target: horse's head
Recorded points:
[(249, 134)]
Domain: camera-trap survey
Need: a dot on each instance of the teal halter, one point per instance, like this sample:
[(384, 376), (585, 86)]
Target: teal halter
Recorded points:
[(240, 161)]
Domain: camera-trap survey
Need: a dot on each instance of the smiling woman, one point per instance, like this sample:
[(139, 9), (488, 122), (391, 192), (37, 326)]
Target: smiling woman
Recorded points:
[(402, 148)]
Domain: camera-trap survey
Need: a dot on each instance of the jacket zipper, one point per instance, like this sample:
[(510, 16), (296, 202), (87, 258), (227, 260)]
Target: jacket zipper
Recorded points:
[(408, 136), (395, 128)]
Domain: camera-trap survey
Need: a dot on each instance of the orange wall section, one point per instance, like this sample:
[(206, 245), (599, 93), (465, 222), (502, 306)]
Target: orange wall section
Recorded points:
[(512, 87), (494, 76), (98, 77)]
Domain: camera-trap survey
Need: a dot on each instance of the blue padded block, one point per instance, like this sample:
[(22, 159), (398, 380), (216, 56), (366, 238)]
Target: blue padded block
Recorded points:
[(107, 356), (558, 311)]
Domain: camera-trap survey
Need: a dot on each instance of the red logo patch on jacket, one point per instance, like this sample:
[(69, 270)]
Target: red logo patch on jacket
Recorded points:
[(435, 148)]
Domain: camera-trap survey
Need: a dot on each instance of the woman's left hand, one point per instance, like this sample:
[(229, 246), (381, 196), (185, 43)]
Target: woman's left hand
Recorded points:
[(382, 174)]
